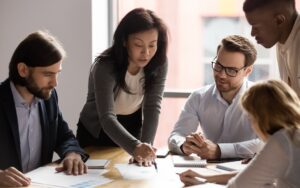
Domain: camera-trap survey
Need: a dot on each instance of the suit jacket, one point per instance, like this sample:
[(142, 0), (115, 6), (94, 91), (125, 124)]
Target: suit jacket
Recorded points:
[(56, 135)]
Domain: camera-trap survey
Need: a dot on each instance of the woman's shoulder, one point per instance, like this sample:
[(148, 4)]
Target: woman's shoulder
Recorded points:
[(162, 67), (286, 139), (103, 64), (286, 134), (280, 136)]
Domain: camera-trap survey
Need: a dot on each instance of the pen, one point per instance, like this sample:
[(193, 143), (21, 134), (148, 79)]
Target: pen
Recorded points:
[(155, 165)]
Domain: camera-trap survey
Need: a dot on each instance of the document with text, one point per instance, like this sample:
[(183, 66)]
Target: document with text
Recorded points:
[(48, 177)]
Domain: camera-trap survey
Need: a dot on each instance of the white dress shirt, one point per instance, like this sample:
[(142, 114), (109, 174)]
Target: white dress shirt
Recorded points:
[(277, 165), (288, 58), (222, 123)]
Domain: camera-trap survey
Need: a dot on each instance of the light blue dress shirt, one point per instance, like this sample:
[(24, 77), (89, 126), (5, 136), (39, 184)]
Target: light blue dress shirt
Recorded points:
[(30, 130), (222, 123)]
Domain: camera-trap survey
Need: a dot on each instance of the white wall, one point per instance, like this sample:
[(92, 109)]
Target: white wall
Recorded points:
[(70, 21)]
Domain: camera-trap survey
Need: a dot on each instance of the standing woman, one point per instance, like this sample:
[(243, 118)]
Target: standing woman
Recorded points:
[(125, 88), (274, 109)]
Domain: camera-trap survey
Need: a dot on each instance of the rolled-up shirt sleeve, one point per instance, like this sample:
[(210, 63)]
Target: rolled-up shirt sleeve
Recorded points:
[(243, 149), (187, 123)]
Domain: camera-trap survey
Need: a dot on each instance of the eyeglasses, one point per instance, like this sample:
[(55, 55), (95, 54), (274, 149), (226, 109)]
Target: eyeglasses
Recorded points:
[(230, 71)]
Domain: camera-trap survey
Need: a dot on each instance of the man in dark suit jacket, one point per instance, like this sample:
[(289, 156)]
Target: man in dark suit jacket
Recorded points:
[(31, 124)]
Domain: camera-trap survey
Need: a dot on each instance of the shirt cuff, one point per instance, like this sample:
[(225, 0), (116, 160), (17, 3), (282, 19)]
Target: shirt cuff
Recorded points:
[(175, 146), (227, 150)]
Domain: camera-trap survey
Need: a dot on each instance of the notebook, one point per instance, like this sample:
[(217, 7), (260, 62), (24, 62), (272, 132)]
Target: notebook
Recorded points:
[(97, 163), (188, 161), (232, 166)]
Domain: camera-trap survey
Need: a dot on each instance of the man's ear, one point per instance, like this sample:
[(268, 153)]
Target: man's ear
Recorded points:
[(280, 19), (22, 69), (249, 69)]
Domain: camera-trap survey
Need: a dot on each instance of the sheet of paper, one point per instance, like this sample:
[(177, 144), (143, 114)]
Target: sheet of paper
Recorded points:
[(135, 172), (48, 177), (165, 174)]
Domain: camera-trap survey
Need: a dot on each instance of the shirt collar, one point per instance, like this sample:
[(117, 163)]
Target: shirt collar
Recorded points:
[(216, 93), (19, 100), (292, 35)]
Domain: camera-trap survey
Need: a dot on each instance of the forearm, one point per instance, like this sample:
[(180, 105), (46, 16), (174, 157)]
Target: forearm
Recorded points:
[(221, 178), (149, 127), (175, 142), (152, 107), (184, 127), (240, 149), (119, 134)]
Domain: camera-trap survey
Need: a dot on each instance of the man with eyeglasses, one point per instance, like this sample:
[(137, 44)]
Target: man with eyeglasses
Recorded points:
[(225, 128)]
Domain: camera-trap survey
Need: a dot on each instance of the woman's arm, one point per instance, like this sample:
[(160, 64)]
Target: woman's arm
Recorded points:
[(152, 106), (104, 84), (191, 177)]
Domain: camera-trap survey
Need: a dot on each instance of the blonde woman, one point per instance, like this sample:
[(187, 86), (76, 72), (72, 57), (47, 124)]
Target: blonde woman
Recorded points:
[(274, 109)]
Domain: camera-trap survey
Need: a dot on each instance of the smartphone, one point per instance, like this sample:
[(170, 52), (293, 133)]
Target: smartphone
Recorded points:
[(162, 152)]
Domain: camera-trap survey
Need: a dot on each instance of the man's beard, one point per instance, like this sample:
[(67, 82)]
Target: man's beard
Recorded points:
[(35, 90)]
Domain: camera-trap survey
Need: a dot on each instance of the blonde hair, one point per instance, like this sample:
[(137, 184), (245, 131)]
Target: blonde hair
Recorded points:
[(274, 105)]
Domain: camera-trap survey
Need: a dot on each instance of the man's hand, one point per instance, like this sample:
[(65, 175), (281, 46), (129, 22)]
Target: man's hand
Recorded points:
[(193, 143), (11, 177), (140, 163), (144, 154), (198, 144), (72, 164), (210, 150)]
